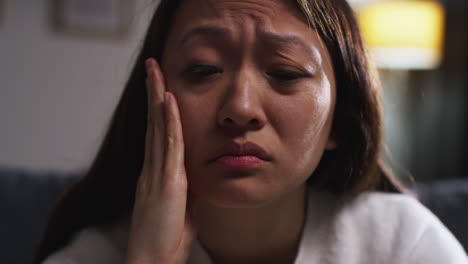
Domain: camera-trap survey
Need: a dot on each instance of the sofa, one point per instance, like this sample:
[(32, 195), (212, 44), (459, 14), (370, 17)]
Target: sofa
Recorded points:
[(26, 197)]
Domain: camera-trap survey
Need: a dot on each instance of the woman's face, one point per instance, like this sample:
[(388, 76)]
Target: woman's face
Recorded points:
[(246, 71)]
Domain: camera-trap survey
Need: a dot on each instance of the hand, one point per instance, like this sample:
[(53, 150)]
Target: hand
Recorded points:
[(161, 230)]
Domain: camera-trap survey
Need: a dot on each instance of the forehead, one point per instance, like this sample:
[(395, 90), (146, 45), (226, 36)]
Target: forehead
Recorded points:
[(276, 21), (280, 15), (254, 8)]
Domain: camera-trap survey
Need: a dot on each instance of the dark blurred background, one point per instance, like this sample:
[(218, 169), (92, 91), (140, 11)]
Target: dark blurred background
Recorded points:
[(430, 106)]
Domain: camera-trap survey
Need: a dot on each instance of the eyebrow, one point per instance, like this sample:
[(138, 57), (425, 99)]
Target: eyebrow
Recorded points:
[(208, 31), (217, 31), (284, 39)]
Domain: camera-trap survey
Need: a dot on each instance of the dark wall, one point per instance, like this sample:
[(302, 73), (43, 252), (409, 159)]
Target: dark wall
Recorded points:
[(439, 103)]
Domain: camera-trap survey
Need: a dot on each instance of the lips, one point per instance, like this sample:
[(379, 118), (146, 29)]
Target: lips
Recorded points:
[(233, 149)]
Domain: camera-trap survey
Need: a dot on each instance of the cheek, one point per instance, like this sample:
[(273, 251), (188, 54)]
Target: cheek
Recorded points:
[(316, 121), (197, 115), (306, 128)]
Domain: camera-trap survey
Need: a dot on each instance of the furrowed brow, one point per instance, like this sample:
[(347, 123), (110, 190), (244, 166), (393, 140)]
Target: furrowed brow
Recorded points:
[(286, 40), (204, 31)]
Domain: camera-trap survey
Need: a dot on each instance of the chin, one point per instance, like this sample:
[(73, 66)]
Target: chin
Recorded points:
[(239, 192)]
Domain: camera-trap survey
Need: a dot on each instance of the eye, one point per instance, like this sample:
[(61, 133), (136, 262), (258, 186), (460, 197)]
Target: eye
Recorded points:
[(286, 75), (202, 71)]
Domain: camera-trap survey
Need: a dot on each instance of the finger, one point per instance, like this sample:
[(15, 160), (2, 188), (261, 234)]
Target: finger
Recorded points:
[(154, 128), (174, 164), (157, 88), (149, 123), (154, 71), (145, 180)]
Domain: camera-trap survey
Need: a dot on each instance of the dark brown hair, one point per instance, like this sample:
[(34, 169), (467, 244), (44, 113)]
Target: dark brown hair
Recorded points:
[(106, 193)]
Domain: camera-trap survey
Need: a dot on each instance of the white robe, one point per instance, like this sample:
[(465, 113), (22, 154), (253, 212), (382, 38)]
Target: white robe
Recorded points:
[(370, 228)]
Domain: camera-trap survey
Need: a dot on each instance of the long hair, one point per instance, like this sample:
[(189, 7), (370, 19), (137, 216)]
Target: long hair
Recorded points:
[(107, 191)]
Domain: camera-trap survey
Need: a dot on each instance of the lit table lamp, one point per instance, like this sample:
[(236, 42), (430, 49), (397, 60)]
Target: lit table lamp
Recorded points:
[(403, 34)]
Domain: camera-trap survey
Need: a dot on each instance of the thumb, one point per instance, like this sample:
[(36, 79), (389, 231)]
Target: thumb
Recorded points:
[(188, 236)]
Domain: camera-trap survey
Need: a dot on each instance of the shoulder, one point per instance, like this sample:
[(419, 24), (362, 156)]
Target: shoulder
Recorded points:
[(400, 226), (374, 208), (388, 209), (93, 245)]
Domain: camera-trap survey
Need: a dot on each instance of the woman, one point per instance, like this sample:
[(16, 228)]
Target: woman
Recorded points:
[(256, 140)]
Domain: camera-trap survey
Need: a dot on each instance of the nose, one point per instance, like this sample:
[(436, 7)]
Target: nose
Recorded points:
[(241, 108)]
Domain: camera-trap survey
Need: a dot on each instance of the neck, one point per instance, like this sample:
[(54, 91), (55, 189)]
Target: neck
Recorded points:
[(270, 234)]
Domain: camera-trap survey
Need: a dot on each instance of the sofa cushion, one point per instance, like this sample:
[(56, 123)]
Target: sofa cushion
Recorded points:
[(448, 199), (26, 199)]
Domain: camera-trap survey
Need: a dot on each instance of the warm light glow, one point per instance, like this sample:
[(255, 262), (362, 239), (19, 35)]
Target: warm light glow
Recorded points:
[(404, 33)]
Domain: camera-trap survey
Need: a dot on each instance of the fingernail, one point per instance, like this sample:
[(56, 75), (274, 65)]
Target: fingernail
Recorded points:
[(148, 63)]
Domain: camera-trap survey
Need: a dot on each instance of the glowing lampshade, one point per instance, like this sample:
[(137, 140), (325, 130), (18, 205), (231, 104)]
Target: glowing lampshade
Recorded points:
[(404, 34)]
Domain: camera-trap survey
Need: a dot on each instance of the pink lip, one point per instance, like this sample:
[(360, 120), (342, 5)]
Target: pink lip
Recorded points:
[(242, 156), (240, 162)]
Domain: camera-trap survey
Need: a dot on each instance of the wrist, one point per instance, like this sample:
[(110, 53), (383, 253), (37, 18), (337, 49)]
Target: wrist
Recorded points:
[(149, 260)]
